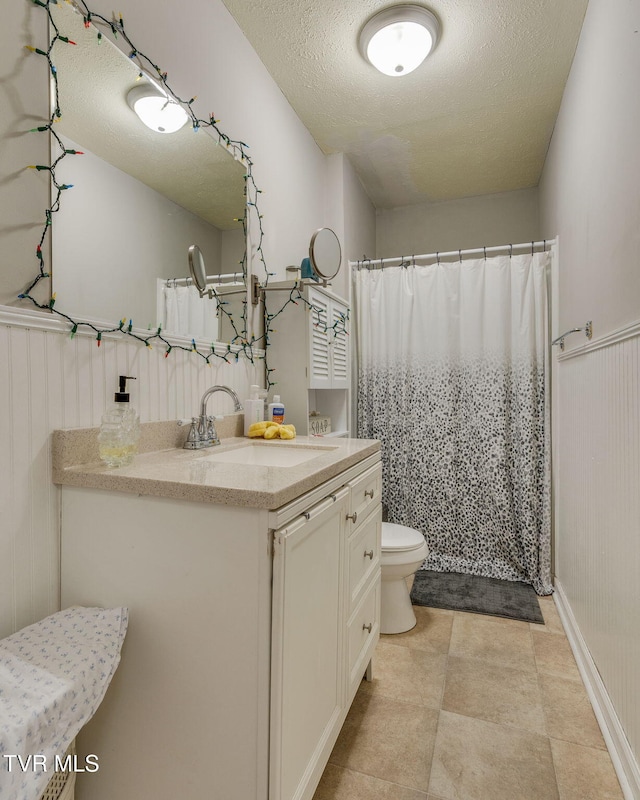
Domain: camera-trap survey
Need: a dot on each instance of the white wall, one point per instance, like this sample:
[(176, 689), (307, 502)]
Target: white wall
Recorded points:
[(492, 219), (351, 215), (590, 188), (590, 197)]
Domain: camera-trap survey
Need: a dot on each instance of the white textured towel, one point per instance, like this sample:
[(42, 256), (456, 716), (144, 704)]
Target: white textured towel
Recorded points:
[(53, 676)]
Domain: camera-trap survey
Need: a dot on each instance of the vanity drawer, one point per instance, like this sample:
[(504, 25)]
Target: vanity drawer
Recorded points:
[(363, 632), (364, 555), (366, 491)]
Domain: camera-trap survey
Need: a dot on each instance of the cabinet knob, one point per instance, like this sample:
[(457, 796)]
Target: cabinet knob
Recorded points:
[(368, 554), (369, 493), (353, 516), (367, 627), (306, 515)]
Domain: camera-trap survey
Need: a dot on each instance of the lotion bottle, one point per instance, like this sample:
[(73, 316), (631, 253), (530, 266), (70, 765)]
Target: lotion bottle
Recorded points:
[(253, 409), (120, 429), (276, 410)]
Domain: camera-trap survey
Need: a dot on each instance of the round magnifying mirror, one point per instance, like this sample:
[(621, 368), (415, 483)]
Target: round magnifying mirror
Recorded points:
[(197, 268), (325, 253)]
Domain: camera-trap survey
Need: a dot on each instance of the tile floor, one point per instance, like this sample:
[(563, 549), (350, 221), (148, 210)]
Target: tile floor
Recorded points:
[(470, 707)]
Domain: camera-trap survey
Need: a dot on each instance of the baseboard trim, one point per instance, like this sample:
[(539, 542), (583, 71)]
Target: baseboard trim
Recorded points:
[(624, 761)]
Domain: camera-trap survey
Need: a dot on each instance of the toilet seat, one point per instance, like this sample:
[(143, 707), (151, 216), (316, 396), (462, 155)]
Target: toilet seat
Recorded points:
[(400, 538)]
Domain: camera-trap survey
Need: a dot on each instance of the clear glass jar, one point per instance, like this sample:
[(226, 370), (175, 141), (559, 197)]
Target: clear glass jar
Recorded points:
[(119, 434)]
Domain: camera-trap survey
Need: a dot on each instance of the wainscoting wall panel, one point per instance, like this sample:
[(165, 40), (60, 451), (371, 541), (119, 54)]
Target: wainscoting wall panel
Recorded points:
[(597, 499), (49, 381)]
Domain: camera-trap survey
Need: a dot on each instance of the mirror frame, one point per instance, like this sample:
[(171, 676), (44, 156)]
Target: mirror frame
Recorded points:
[(319, 268), (240, 343)]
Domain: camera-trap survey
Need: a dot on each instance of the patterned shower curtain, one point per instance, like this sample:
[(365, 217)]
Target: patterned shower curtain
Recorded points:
[(453, 379)]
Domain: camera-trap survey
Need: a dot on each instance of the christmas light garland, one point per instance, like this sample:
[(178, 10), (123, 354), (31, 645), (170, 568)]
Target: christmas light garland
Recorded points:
[(240, 344)]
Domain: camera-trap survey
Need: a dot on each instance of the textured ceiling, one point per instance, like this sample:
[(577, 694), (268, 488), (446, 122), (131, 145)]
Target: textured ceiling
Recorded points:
[(94, 80), (475, 118)]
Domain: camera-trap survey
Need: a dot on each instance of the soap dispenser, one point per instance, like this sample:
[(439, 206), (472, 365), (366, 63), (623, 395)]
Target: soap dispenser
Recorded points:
[(120, 429), (253, 409)]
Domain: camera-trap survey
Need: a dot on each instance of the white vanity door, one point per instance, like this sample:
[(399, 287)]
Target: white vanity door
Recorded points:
[(307, 694)]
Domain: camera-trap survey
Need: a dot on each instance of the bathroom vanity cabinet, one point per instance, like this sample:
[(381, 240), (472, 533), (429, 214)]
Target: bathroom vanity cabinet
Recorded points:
[(309, 351), (250, 630)]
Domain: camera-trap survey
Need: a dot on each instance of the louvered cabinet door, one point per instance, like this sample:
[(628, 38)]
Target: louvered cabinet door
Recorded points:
[(319, 341), (338, 346)]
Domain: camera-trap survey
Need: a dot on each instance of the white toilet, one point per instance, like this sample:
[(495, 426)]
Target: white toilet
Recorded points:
[(403, 551)]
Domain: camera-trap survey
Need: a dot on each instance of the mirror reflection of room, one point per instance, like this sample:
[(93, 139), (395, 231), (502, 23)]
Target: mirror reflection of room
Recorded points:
[(156, 192)]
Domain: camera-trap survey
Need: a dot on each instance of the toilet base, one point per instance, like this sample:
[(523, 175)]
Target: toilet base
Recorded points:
[(396, 611)]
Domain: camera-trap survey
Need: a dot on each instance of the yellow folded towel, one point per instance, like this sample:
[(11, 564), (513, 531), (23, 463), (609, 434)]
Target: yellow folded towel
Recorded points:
[(271, 430), (287, 432), (257, 429)]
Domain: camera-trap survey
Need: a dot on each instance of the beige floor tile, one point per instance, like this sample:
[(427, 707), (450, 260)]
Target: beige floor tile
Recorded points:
[(478, 760), (497, 694), (388, 739), (584, 773), (402, 673), (552, 621), (568, 712), (498, 641), (432, 632), (554, 656), (344, 784)]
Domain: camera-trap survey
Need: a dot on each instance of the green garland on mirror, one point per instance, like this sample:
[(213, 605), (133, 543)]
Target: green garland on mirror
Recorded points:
[(240, 343)]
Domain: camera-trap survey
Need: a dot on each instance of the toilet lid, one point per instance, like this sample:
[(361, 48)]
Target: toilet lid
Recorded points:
[(396, 538)]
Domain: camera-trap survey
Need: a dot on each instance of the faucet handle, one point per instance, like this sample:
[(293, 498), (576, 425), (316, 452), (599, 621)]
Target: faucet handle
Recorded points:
[(212, 433), (194, 433)]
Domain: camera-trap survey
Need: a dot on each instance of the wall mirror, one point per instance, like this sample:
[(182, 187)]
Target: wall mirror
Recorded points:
[(140, 198)]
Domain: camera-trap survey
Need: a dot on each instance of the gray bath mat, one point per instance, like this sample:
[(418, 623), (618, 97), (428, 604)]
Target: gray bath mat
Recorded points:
[(477, 594)]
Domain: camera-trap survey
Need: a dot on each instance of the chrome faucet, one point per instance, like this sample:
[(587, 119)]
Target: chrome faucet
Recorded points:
[(203, 431)]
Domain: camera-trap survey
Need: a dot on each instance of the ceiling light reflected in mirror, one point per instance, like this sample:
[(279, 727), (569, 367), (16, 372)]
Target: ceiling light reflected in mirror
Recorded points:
[(157, 111)]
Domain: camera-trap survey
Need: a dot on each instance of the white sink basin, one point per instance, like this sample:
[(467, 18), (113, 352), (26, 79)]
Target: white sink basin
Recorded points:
[(268, 455)]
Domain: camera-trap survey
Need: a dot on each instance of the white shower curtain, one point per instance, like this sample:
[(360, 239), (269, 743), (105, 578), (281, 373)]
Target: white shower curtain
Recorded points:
[(185, 313), (452, 378)]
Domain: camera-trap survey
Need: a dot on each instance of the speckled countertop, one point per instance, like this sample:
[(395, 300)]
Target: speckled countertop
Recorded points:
[(164, 469)]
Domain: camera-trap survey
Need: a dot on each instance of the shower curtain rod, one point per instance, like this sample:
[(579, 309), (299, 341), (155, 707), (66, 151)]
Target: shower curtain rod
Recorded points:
[(380, 263), (189, 281)]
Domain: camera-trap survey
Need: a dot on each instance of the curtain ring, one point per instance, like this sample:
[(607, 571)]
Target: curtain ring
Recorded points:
[(413, 259), (544, 244), (510, 251), (437, 257), (531, 248), (485, 253), (460, 256)]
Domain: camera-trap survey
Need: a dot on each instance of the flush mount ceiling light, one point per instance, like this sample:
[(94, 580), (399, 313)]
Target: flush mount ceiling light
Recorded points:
[(398, 39), (156, 109)]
